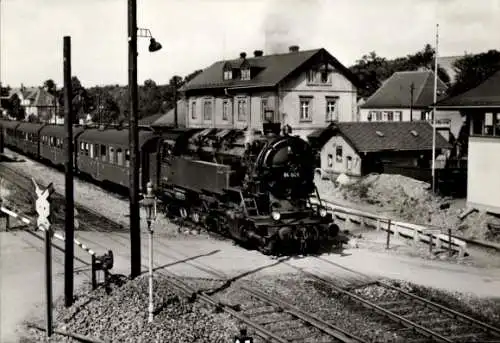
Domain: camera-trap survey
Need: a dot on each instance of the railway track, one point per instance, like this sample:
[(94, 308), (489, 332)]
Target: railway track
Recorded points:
[(93, 220), (301, 326), (416, 315)]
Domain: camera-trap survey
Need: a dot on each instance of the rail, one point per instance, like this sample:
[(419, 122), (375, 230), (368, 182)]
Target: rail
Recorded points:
[(28, 221), (422, 233)]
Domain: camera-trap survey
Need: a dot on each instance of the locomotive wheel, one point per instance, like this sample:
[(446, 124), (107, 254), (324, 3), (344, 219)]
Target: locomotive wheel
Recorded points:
[(195, 216), (183, 212)]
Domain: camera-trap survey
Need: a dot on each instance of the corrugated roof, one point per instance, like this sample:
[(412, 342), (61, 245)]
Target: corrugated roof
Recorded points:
[(379, 136), (395, 92), (274, 69), (487, 94)]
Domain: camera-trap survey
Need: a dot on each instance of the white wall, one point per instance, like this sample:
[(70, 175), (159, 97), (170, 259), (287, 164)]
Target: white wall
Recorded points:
[(337, 167), (483, 178)]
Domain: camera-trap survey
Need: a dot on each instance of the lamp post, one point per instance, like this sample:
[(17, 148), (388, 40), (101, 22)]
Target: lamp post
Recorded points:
[(149, 204), (135, 230)]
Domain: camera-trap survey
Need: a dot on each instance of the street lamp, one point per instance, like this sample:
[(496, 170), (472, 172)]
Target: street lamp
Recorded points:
[(135, 230), (149, 204)]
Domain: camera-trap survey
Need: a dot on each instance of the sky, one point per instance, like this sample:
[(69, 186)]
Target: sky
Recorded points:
[(196, 33)]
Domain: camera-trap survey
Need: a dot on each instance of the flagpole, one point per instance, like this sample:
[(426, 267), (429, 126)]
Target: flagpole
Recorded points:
[(434, 113)]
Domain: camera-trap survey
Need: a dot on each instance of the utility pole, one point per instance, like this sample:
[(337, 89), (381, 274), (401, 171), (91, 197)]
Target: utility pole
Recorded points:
[(412, 89), (135, 228), (176, 118), (434, 113), (70, 202)]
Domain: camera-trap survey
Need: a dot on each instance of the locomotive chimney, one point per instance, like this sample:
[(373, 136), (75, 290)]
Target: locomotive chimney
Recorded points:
[(258, 53), (293, 48), (243, 55)]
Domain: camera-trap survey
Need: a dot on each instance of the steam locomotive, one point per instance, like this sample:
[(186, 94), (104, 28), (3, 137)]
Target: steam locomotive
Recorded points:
[(253, 186)]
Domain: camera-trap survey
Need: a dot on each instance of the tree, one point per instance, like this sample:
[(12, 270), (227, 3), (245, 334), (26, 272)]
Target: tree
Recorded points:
[(16, 110), (106, 109), (51, 87), (81, 101), (472, 70), (372, 70)]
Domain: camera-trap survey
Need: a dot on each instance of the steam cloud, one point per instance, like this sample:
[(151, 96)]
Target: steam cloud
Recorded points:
[(289, 22)]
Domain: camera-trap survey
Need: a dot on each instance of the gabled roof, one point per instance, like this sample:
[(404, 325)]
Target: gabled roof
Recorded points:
[(150, 119), (42, 98), (168, 119), (382, 136), (395, 92), (487, 94), (274, 68)]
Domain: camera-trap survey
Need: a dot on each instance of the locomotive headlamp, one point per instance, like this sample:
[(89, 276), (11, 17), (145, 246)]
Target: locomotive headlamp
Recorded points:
[(323, 212), (276, 215)]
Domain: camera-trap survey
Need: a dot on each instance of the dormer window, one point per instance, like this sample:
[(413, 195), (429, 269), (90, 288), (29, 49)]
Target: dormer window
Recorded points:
[(228, 72), (245, 74)]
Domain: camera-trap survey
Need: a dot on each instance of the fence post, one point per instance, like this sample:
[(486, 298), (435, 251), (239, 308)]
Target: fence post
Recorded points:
[(388, 234), (94, 277), (449, 243), (430, 242)]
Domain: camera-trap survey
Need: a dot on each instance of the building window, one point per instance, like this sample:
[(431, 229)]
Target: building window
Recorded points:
[(263, 107), (193, 110), (245, 74), (331, 113), (228, 74), (324, 76), (330, 160), (305, 109), (378, 116), (311, 75), (103, 153), (397, 116), (338, 155), (226, 109), (119, 156), (384, 115), (111, 155), (390, 116), (207, 110), (242, 115), (349, 162)]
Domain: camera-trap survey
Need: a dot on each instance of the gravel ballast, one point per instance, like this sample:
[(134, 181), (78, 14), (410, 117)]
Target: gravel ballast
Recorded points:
[(122, 316)]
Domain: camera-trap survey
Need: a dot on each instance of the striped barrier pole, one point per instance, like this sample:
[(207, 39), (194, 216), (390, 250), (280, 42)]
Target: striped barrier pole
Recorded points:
[(56, 235)]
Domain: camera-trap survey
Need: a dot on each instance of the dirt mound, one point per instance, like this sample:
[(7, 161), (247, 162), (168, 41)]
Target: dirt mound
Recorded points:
[(412, 201)]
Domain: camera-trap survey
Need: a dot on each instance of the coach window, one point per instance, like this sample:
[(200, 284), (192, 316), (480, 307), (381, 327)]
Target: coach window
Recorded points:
[(86, 149), (112, 155), (96, 150), (127, 158), (91, 150), (119, 156), (103, 153), (82, 147)]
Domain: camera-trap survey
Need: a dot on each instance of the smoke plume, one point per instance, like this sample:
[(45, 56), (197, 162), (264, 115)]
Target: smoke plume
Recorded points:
[(289, 22)]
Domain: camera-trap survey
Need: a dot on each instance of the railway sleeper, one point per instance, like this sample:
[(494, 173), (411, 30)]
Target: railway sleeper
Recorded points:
[(467, 337), (430, 321), (400, 310), (304, 337), (267, 321), (260, 313)]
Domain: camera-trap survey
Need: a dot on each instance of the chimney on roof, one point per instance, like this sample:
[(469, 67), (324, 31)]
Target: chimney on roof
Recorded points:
[(293, 48), (243, 55), (258, 53)]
